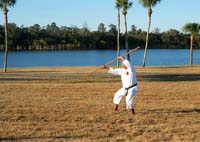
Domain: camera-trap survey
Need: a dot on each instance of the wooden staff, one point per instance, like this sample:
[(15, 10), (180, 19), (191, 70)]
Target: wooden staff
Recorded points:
[(108, 63)]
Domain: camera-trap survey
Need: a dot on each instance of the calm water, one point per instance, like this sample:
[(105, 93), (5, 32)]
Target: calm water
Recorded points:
[(155, 57)]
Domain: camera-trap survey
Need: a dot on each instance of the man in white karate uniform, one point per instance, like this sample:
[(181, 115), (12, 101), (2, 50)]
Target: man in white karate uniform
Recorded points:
[(129, 84)]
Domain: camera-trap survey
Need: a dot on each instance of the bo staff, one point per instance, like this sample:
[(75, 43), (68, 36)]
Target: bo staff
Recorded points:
[(110, 62)]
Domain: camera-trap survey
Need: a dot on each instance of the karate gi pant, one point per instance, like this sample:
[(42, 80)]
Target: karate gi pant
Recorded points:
[(129, 97)]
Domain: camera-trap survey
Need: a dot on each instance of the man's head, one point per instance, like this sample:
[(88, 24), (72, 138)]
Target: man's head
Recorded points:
[(124, 64), (121, 58)]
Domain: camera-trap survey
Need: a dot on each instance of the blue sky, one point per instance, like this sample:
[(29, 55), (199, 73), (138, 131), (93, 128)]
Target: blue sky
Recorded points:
[(169, 14)]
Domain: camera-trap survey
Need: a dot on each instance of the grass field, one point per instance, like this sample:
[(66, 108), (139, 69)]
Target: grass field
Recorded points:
[(55, 104)]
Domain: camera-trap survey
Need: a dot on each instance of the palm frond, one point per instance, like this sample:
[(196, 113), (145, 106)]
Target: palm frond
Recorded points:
[(126, 4), (149, 3), (192, 28), (118, 4), (7, 2)]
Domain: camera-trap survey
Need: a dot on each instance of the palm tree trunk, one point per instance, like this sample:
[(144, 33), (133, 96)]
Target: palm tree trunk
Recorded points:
[(126, 37), (118, 36), (147, 36), (6, 38), (191, 50)]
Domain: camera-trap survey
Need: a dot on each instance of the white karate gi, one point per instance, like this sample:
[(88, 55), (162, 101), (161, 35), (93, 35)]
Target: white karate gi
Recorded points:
[(128, 77)]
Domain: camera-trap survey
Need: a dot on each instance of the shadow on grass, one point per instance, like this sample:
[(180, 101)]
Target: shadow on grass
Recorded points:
[(76, 78), (173, 111), (24, 138), (188, 111), (170, 77), (63, 78), (21, 79)]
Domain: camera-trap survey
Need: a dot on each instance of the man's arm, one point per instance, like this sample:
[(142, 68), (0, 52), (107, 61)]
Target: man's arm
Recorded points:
[(112, 70)]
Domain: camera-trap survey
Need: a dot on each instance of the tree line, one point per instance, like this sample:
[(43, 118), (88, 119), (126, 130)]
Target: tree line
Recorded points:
[(52, 37)]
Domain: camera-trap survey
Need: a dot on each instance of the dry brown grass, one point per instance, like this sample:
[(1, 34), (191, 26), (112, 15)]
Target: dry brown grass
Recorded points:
[(41, 106)]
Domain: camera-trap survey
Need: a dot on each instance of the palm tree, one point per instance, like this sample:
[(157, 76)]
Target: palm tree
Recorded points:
[(193, 29), (148, 4), (4, 4), (118, 6), (126, 5)]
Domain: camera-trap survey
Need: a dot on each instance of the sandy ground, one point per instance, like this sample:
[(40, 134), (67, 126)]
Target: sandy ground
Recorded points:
[(55, 104)]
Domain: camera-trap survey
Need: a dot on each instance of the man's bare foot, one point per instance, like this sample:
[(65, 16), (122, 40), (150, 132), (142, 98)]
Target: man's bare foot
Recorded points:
[(133, 111), (116, 107)]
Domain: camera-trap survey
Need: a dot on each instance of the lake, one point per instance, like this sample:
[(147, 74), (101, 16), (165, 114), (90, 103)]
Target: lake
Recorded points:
[(155, 57)]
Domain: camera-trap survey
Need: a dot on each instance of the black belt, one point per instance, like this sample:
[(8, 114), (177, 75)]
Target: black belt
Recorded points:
[(130, 88)]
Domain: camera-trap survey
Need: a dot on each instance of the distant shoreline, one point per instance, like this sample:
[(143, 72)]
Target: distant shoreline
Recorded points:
[(84, 49)]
